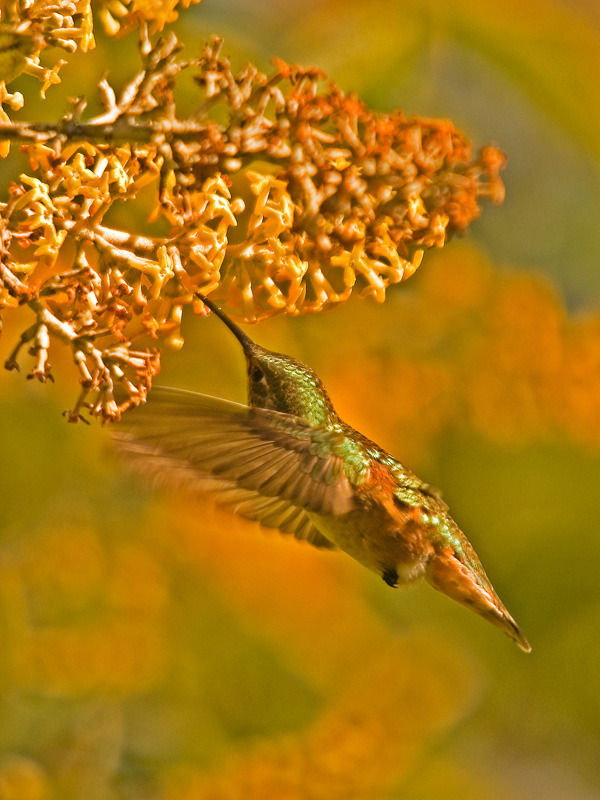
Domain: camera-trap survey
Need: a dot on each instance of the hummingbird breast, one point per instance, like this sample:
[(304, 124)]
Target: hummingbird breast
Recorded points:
[(373, 533)]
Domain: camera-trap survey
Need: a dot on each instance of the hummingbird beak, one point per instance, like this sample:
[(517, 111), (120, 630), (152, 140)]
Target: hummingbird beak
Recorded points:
[(239, 334), (448, 574)]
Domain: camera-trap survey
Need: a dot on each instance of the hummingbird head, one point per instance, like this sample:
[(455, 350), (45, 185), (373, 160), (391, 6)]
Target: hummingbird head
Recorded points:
[(277, 381), (454, 569)]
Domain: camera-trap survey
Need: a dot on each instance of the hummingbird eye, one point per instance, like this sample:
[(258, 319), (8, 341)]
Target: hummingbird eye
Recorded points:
[(256, 374)]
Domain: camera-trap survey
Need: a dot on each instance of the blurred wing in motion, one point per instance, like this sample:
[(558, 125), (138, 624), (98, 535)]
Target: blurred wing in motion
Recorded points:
[(262, 464)]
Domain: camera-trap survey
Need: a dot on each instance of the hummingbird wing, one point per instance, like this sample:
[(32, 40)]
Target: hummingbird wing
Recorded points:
[(266, 465), (272, 512)]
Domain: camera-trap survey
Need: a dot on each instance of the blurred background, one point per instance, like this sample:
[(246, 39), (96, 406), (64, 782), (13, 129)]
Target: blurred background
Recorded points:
[(155, 648)]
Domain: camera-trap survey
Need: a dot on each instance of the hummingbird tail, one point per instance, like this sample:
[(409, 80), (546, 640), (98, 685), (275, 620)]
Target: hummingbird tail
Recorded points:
[(452, 577)]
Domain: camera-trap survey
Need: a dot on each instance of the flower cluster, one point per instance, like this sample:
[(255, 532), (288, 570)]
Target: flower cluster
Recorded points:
[(300, 197), (122, 16), (28, 27), (353, 197)]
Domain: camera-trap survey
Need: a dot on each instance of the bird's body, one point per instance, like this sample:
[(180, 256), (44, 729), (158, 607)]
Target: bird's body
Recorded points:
[(289, 461)]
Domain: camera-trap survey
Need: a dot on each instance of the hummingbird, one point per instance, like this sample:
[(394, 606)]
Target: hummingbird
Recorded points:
[(288, 461)]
